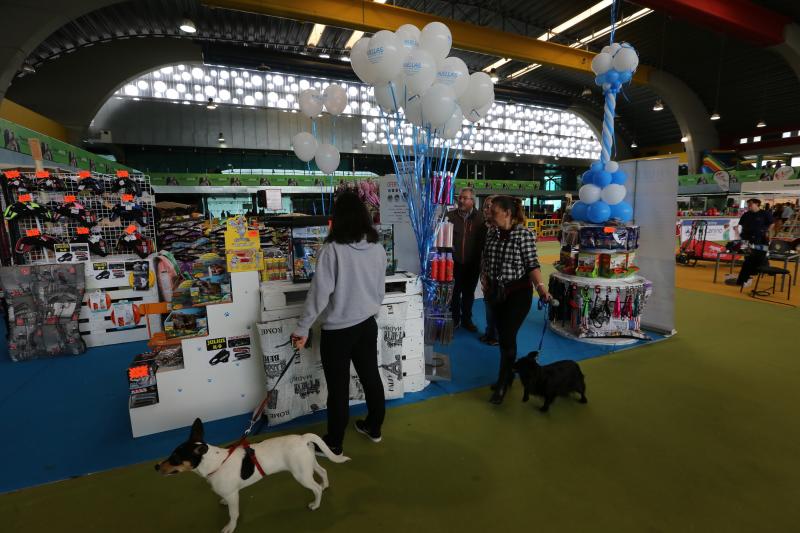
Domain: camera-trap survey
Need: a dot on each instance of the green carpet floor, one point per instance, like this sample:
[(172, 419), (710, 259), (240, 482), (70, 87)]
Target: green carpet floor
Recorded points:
[(696, 433)]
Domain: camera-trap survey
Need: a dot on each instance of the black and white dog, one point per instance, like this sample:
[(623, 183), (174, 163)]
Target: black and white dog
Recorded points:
[(230, 472), (548, 381)]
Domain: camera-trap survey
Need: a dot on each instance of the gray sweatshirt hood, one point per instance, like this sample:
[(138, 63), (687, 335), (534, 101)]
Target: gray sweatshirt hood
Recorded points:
[(360, 245)]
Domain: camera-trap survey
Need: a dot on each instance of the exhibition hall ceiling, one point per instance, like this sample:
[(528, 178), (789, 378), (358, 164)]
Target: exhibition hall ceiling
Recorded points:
[(742, 82)]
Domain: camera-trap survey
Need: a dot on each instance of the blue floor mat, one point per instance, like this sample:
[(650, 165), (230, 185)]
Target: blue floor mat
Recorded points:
[(68, 416)]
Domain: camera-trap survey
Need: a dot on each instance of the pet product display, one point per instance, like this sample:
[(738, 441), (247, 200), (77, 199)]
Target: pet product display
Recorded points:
[(186, 323), (142, 382), (43, 303), (306, 243)]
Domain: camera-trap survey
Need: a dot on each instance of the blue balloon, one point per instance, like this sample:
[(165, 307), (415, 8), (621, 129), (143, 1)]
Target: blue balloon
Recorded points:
[(612, 76), (621, 211), (626, 76), (598, 212), (588, 177), (619, 177), (602, 178), (597, 165), (598, 80), (578, 211)]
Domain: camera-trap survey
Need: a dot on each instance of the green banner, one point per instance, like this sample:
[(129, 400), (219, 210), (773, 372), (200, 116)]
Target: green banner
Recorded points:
[(739, 176), (15, 139), (283, 180)]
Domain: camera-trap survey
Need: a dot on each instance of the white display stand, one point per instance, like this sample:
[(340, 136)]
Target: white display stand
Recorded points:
[(284, 299), (200, 389), (234, 388), (613, 324)]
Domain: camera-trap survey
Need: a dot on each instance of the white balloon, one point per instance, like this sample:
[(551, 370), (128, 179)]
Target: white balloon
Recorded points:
[(480, 91), (614, 48), (413, 110), (311, 103), (436, 39), (335, 99), (438, 105), (474, 115), (304, 145), (408, 35), (625, 59), (419, 69), (613, 194), (601, 63), (453, 72), (612, 166), (359, 61), (389, 97), (385, 55), (327, 158), (589, 194), (453, 124), (605, 50)]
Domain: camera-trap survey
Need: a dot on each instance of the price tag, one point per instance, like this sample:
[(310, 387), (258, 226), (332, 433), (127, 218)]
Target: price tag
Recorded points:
[(127, 197), (130, 230), (609, 229), (69, 198), (11, 174), (24, 198), (138, 372), (33, 233), (252, 233), (122, 173), (83, 174), (83, 231), (42, 174)]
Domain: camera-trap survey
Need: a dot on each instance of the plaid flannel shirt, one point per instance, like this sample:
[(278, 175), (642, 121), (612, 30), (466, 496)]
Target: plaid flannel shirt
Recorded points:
[(510, 259)]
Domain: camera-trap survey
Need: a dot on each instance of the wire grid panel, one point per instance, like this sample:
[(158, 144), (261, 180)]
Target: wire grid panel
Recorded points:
[(101, 205)]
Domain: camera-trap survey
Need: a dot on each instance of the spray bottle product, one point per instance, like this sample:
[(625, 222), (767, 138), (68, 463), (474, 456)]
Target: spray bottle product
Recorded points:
[(449, 266)]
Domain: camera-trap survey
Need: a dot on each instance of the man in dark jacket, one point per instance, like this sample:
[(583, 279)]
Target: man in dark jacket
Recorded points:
[(756, 225), (469, 234)]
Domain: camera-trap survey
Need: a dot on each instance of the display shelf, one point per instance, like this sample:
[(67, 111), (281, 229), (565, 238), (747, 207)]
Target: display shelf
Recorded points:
[(601, 282), (600, 341)]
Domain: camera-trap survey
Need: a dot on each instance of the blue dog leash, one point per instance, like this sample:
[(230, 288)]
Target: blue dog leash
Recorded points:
[(545, 306)]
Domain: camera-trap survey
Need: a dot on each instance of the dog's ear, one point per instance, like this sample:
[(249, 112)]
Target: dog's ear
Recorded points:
[(197, 431)]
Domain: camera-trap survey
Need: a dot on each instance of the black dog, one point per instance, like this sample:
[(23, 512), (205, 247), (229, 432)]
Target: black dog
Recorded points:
[(548, 381)]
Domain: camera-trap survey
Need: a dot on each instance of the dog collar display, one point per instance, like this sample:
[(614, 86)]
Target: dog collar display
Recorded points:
[(127, 185), (97, 245), (137, 243), (90, 184), (20, 210), (26, 244), (129, 212), (76, 211)]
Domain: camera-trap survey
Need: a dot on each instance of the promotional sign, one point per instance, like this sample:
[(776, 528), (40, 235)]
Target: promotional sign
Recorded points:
[(242, 246), (394, 208), (719, 229)]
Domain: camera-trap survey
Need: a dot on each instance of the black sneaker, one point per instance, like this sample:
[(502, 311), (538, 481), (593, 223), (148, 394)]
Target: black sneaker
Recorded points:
[(469, 326), (361, 427), (336, 450)]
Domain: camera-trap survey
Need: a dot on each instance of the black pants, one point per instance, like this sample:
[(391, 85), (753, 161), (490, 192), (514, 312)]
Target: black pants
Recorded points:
[(466, 279), (338, 347), (751, 264), (508, 317)]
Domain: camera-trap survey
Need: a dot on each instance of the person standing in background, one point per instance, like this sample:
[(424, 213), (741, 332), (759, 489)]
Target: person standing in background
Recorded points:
[(510, 273), (756, 224), (490, 335), (348, 286), (469, 234)]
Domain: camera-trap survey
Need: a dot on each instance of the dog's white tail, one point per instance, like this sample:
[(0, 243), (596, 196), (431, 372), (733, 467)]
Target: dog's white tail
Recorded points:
[(312, 438)]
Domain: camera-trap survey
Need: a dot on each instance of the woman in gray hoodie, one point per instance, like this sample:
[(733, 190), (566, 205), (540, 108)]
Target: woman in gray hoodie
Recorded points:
[(347, 291)]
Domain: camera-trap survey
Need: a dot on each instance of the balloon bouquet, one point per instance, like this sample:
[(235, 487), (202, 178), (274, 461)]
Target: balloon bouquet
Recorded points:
[(425, 97), (305, 145), (602, 196)]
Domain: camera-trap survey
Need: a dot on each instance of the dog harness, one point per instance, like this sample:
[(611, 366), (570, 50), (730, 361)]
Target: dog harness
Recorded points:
[(249, 454)]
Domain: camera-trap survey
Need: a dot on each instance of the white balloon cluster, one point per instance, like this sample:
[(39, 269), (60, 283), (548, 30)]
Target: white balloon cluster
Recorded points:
[(615, 64), (306, 148), (333, 99), (602, 196), (412, 72)]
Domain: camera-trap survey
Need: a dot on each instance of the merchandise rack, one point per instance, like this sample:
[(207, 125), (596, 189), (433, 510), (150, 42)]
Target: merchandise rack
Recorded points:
[(99, 204)]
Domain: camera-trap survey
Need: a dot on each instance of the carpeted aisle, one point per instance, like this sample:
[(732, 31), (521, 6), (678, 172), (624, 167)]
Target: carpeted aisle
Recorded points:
[(696, 433)]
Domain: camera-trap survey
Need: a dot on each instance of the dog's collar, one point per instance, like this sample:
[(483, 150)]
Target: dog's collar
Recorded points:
[(243, 443)]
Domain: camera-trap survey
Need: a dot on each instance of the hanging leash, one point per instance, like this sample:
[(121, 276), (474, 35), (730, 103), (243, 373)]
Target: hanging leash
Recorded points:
[(545, 306)]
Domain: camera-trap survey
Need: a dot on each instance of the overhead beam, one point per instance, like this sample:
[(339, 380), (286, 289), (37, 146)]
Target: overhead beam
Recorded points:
[(741, 19), (370, 16)]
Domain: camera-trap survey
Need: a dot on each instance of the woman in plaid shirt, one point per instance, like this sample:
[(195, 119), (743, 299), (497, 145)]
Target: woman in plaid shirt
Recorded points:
[(510, 271)]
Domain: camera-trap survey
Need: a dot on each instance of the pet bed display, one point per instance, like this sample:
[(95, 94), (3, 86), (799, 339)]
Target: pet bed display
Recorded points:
[(43, 303)]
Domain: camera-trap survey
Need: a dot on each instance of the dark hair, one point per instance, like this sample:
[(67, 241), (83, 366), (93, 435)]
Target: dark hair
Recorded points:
[(754, 201), (512, 204), (351, 221)]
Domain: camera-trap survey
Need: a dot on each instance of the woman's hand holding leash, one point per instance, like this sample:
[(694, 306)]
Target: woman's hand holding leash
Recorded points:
[(298, 341)]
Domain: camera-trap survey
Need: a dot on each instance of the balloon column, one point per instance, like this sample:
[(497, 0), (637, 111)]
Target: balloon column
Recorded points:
[(425, 97), (305, 145), (602, 196)]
